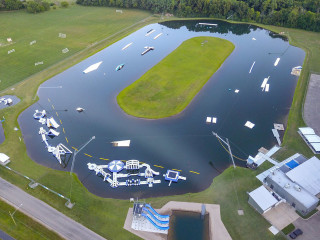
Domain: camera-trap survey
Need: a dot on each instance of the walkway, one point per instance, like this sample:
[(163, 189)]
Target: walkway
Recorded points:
[(311, 113), (43, 213)]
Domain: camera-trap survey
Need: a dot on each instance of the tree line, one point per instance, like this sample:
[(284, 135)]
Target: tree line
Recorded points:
[(303, 14)]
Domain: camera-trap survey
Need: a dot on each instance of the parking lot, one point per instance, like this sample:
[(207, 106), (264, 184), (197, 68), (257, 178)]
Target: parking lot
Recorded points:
[(310, 227)]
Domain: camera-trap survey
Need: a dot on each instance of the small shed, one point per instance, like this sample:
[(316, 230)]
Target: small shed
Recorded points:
[(4, 159), (262, 200)]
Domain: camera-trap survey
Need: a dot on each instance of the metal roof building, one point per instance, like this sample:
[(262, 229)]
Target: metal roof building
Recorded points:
[(262, 200), (307, 175), (296, 195)]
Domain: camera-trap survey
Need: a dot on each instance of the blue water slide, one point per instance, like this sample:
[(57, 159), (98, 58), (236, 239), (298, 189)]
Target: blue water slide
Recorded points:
[(154, 217), (153, 223), (155, 212)]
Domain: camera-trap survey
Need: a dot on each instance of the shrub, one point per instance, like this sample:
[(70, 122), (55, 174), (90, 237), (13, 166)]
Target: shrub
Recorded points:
[(64, 4)]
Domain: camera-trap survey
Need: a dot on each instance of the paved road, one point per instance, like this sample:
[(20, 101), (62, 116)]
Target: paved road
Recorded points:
[(43, 213), (312, 104), (310, 227)]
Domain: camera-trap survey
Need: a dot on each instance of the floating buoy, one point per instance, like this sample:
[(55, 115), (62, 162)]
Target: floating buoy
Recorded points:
[(79, 109)]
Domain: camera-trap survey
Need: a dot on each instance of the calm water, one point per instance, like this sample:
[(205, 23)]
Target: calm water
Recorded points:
[(188, 226), (181, 142)]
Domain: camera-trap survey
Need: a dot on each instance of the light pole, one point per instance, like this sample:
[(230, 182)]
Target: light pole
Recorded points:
[(72, 165)]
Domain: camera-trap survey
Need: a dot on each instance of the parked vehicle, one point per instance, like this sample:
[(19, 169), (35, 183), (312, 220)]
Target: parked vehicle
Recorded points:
[(295, 233)]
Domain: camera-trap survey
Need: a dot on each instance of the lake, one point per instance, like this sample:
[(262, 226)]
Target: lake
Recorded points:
[(184, 142)]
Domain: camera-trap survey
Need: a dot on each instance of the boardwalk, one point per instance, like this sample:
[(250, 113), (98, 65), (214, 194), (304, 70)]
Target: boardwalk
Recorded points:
[(43, 213)]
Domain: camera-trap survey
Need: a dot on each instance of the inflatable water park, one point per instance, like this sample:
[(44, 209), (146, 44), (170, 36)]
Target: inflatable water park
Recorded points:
[(134, 175), (60, 151)]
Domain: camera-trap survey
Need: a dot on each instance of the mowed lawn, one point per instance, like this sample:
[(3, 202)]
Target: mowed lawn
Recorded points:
[(168, 87), (83, 26)]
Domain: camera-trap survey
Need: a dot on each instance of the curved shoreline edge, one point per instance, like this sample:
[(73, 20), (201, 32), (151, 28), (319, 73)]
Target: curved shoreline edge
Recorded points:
[(19, 150)]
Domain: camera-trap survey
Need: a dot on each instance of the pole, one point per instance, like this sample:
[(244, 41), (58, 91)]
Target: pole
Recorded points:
[(234, 166), (74, 158), (227, 143)]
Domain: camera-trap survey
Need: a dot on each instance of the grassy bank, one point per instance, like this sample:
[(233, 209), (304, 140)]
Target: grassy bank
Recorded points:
[(167, 88), (22, 227), (310, 43), (83, 27), (106, 216)]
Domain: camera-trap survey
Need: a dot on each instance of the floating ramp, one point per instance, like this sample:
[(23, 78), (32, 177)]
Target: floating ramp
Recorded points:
[(157, 36), (150, 32), (53, 133), (249, 124), (126, 46), (276, 62), (252, 67), (124, 143), (208, 24), (92, 67), (276, 135)]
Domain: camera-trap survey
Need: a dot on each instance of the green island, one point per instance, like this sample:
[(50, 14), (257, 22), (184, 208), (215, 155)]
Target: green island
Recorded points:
[(109, 222), (168, 88)]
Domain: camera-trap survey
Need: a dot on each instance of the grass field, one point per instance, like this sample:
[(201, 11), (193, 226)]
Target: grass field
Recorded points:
[(167, 88), (106, 216), (83, 27), (22, 227)]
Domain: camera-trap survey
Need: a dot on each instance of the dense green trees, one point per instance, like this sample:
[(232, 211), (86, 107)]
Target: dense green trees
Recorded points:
[(304, 14), (37, 6), (10, 4)]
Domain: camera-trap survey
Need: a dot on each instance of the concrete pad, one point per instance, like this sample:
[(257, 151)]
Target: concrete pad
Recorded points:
[(281, 215), (273, 230), (309, 227), (311, 113)]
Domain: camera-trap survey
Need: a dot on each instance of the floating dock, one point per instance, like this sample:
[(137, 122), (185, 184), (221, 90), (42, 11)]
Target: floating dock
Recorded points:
[(276, 135), (249, 124)]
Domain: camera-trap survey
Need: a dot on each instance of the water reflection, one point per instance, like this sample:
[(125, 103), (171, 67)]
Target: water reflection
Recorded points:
[(182, 142)]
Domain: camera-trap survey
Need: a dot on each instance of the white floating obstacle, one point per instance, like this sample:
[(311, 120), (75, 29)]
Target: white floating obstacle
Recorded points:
[(80, 109), (39, 114), (42, 121), (8, 101), (249, 124), (236, 91), (276, 62), (264, 84), (208, 120), (124, 143), (254, 39), (214, 120), (93, 67), (51, 123)]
